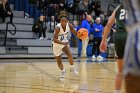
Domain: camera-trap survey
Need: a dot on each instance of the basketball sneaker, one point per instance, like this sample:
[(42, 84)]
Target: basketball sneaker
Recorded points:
[(93, 57), (100, 57), (63, 74), (73, 70), (117, 91), (41, 38)]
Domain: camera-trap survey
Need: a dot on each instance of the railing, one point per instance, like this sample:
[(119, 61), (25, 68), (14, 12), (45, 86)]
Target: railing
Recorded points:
[(31, 9), (13, 33)]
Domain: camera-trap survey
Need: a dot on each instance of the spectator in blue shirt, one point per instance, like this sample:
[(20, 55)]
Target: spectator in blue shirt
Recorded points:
[(86, 25), (97, 29), (74, 39)]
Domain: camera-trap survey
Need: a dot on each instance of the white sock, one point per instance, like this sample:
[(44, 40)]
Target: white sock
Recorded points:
[(63, 70), (71, 66), (117, 91)]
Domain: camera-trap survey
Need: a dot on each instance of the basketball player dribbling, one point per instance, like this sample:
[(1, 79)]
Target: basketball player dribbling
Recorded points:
[(60, 44), (132, 49), (120, 36)]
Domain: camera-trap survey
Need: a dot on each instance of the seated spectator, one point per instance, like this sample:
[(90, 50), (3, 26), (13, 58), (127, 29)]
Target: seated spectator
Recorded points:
[(52, 7), (62, 5), (82, 7), (97, 29), (96, 7), (91, 7), (71, 6), (5, 10), (39, 28), (52, 23)]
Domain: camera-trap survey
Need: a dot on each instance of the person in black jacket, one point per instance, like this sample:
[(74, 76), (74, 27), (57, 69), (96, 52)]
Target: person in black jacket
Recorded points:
[(39, 27), (96, 7), (5, 10)]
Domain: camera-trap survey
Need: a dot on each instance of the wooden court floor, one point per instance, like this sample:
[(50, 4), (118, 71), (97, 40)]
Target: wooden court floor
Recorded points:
[(42, 76)]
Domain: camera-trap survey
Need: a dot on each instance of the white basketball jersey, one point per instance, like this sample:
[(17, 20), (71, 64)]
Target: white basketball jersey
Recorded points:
[(133, 11), (62, 36), (132, 49)]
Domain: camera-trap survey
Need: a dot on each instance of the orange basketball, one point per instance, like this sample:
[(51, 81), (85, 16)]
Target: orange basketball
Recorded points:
[(82, 33)]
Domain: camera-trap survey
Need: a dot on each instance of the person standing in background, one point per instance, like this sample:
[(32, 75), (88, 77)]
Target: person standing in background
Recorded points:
[(97, 29), (118, 15), (86, 25), (74, 39)]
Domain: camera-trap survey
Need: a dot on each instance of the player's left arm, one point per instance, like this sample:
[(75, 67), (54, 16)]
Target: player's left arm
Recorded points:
[(72, 29)]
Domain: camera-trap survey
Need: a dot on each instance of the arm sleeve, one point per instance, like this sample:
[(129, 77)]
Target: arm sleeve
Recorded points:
[(101, 29), (83, 24)]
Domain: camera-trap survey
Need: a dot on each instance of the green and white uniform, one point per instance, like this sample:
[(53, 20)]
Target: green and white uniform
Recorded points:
[(120, 35)]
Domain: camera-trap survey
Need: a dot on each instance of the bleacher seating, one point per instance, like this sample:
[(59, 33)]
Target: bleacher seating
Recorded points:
[(23, 42)]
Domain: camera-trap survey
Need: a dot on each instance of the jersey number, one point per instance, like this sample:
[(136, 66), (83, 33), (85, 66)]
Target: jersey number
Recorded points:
[(122, 14)]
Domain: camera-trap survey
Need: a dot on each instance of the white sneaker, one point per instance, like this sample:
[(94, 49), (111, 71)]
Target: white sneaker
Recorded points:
[(93, 57), (63, 74), (99, 57), (117, 91), (41, 38), (45, 38), (74, 71)]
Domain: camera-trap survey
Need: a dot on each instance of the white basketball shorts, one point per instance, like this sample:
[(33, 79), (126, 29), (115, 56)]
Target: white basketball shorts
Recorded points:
[(132, 52)]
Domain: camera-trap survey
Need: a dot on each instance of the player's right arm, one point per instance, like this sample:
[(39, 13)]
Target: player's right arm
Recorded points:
[(55, 38), (107, 29)]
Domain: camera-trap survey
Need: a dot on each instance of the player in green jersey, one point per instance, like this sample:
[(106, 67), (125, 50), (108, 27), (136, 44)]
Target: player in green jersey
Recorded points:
[(117, 17)]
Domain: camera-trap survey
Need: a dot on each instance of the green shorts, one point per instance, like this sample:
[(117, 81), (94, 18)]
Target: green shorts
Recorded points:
[(120, 37)]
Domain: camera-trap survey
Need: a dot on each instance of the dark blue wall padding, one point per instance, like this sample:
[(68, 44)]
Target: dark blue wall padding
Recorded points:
[(19, 5)]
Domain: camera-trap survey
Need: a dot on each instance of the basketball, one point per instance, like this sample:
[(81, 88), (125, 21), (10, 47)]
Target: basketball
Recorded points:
[(82, 33)]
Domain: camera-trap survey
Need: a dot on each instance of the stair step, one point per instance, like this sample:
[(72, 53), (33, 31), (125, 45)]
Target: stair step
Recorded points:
[(23, 20), (18, 27), (18, 13), (8, 42), (33, 42), (2, 34), (21, 35), (18, 20), (40, 50), (26, 35), (2, 50), (47, 50), (9, 48), (16, 51)]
